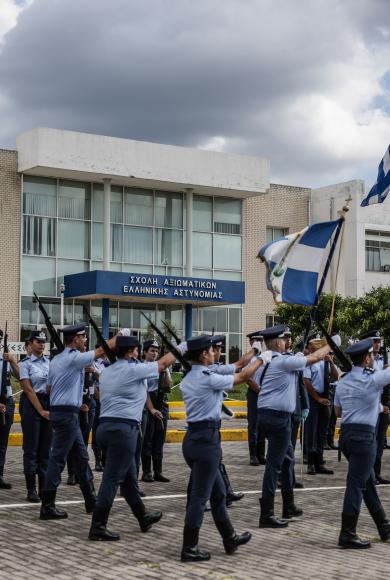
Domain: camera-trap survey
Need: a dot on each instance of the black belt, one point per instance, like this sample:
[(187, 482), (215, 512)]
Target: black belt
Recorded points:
[(118, 420), (357, 427), (199, 425), (276, 412), (64, 409)]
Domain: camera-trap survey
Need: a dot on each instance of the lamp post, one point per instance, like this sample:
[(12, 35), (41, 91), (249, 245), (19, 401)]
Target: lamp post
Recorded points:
[(62, 291)]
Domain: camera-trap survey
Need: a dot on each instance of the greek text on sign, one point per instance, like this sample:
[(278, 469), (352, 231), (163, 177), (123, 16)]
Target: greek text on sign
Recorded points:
[(182, 287)]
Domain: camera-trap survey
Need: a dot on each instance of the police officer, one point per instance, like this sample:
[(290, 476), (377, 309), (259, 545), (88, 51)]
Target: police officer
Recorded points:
[(276, 403), (123, 392), (383, 417), (256, 438), (34, 412), (357, 402), (7, 409), (157, 419), (202, 394), (316, 377), (99, 365), (66, 377)]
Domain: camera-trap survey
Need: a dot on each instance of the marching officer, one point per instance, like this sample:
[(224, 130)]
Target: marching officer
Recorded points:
[(317, 379), (123, 393), (276, 403), (7, 408), (34, 412), (99, 365), (357, 402), (383, 417), (65, 383), (156, 423), (202, 394), (256, 438)]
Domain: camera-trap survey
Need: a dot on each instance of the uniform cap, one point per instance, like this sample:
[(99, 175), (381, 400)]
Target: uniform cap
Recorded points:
[(219, 339), (256, 335), (373, 334), (37, 335), (149, 343), (359, 348), (75, 329), (287, 331), (203, 341), (127, 341), (273, 332)]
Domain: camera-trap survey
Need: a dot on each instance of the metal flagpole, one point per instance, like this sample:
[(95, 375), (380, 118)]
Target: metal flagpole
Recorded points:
[(302, 447)]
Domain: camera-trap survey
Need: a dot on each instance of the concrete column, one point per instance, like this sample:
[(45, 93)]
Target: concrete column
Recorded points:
[(106, 224), (188, 307)]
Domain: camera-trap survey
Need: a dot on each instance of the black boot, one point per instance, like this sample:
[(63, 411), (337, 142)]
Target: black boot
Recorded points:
[(31, 488), (319, 465), (158, 476), (41, 484), (190, 551), (382, 523), (377, 469), (71, 479), (147, 469), (290, 510), (89, 495), (267, 517), (145, 518), (348, 537), (233, 496), (98, 529), (48, 507), (98, 460), (231, 540), (253, 454), (261, 452), (3, 483), (98, 466), (311, 470)]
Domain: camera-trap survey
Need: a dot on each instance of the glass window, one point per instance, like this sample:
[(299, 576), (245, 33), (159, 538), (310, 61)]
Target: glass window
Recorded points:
[(226, 275), (202, 273), (227, 215), (234, 347), (273, 233), (29, 313), (173, 315), (116, 243), (68, 312), (138, 245), (96, 311), (271, 320), (39, 196), (140, 321), (116, 206), (138, 206), (136, 269), (378, 255), (227, 252), (79, 315), (209, 319), (168, 210), (235, 320), (38, 275), (39, 236), (168, 247), (74, 201), (113, 314), (202, 250), (53, 309), (202, 213), (221, 319), (167, 271), (125, 315), (65, 267), (97, 242), (73, 239), (97, 202)]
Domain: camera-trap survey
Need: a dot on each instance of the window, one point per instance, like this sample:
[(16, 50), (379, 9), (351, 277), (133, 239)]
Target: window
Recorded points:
[(168, 210), (271, 320), (227, 215), (38, 275), (168, 249), (138, 208), (74, 200), (273, 233), (138, 245), (202, 250), (227, 252), (39, 236), (73, 239), (39, 196), (202, 213), (378, 254)]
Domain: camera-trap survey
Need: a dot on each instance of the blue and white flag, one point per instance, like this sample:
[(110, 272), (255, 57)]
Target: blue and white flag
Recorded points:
[(297, 264), (379, 191)]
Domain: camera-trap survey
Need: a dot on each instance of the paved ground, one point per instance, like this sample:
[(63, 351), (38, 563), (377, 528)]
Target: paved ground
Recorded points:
[(307, 548)]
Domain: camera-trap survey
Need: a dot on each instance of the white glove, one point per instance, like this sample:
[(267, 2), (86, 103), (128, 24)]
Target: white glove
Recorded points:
[(337, 339), (266, 356), (256, 345), (124, 332), (182, 347)]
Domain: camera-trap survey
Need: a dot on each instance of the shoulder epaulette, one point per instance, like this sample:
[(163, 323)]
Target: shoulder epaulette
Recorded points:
[(207, 372), (369, 371)]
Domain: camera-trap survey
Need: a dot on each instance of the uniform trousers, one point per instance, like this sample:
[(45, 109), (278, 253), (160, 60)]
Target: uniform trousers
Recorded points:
[(140, 439), (358, 444), (95, 447), (86, 424), (381, 438), (202, 453), (154, 438), (67, 442), (4, 431), (280, 453), (37, 435), (118, 439), (316, 427)]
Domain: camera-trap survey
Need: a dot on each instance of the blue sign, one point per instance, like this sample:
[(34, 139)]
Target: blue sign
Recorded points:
[(151, 287)]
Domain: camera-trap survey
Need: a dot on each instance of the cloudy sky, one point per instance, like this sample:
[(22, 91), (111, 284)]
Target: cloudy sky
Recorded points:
[(305, 83)]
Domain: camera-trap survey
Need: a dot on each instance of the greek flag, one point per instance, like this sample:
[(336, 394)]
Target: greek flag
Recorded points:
[(379, 191), (297, 264)]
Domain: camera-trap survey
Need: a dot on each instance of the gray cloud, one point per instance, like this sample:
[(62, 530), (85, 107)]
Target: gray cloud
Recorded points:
[(291, 81)]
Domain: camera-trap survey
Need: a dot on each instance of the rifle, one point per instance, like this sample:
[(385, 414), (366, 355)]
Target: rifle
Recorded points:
[(5, 380), (107, 351), (168, 344), (88, 381), (171, 332), (337, 351), (54, 336)]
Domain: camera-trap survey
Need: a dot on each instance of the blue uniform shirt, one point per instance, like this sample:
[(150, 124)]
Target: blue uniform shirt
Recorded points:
[(9, 371), (315, 374), (66, 377), (36, 370), (203, 393), (222, 369), (278, 389), (123, 389), (359, 393), (378, 363)]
